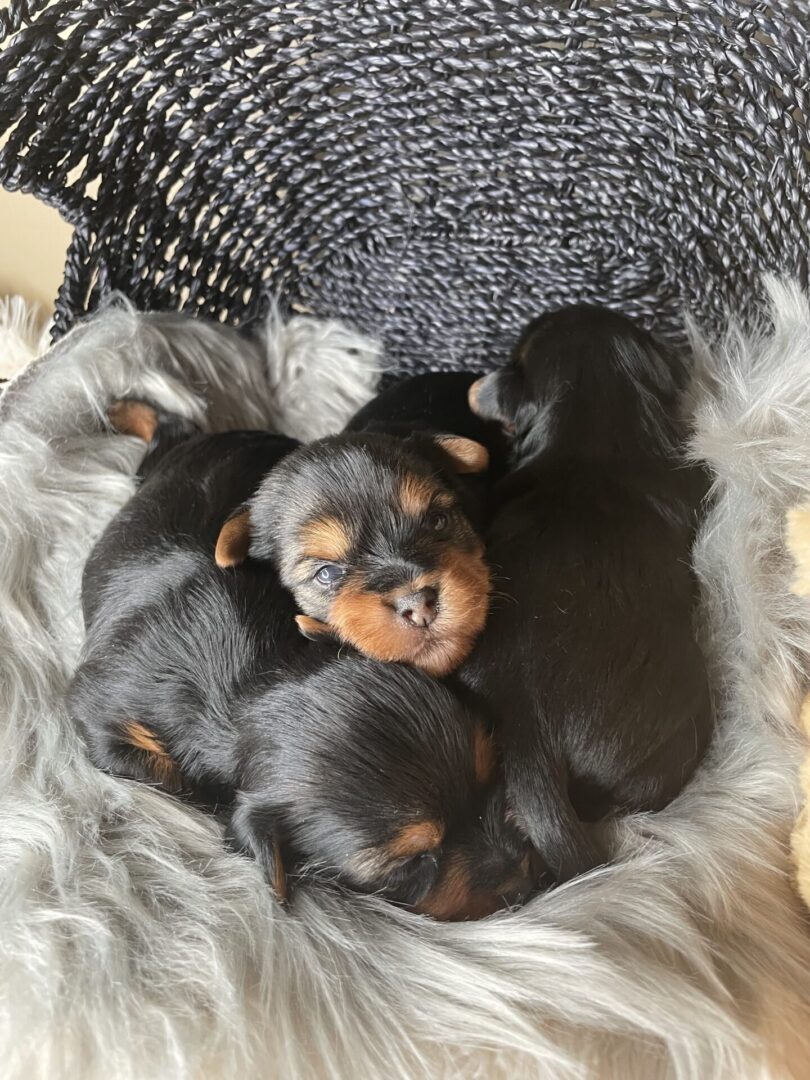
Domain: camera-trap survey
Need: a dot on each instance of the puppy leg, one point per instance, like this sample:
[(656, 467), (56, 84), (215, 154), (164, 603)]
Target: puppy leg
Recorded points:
[(117, 742), (537, 791), (159, 429), (254, 830)]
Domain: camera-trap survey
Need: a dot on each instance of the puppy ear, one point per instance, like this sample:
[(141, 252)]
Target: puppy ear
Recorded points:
[(314, 629), (233, 542), (483, 399), (253, 830), (466, 455)]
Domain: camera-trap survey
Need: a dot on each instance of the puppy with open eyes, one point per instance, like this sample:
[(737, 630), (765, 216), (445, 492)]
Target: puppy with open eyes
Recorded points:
[(374, 533), (196, 678), (592, 673)]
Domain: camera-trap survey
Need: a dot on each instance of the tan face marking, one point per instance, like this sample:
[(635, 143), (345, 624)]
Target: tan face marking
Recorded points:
[(416, 839), (325, 538), (233, 542), (133, 418), (368, 621), (161, 765), (415, 495)]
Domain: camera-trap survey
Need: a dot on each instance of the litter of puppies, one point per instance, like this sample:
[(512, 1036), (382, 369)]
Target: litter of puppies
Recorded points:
[(386, 665)]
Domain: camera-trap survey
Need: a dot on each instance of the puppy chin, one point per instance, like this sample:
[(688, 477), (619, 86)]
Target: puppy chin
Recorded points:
[(369, 622)]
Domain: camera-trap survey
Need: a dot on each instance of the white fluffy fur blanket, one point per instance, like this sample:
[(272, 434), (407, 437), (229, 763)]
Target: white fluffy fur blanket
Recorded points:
[(132, 946)]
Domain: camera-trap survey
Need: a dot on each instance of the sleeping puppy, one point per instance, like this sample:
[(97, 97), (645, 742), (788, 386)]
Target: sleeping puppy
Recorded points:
[(372, 534), (591, 669), (196, 678)]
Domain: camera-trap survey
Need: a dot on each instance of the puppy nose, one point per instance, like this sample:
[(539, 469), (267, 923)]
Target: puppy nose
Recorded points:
[(418, 608)]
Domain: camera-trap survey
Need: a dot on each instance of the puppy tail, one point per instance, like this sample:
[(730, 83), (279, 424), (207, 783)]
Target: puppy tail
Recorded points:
[(538, 793)]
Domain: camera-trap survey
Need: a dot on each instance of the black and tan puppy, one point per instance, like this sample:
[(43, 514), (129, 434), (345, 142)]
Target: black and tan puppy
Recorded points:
[(592, 670), (196, 678), (372, 534)]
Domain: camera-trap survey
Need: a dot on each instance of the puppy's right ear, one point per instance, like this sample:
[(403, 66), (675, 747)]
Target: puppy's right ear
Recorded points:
[(254, 830), (233, 542)]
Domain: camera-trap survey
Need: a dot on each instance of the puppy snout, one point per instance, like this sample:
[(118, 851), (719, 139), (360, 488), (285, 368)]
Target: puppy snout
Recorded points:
[(418, 608)]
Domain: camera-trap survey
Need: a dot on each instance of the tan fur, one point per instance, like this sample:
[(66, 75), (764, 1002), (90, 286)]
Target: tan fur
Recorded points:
[(233, 542), (312, 628), (369, 622), (416, 839), (415, 495), (472, 396), (467, 455), (485, 759), (453, 898), (279, 874), (133, 418), (327, 539), (798, 542), (161, 766)]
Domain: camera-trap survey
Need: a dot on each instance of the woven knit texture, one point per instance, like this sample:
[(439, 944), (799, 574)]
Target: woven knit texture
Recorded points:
[(434, 172)]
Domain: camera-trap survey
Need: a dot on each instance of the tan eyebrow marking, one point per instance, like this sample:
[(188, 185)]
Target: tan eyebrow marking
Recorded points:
[(325, 538), (415, 494), (422, 836)]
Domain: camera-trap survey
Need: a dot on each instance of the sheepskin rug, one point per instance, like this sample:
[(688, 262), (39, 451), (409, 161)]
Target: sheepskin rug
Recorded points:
[(133, 946)]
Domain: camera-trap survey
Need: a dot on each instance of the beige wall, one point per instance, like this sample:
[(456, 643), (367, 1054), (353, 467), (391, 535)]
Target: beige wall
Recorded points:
[(33, 243)]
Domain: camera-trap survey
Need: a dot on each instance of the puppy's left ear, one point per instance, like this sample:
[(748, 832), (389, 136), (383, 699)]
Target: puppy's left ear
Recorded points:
[(254, 830), (466, 455), (233, 542)]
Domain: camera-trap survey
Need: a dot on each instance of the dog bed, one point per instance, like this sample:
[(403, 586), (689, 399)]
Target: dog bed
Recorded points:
[(436, 174), (133, 946)]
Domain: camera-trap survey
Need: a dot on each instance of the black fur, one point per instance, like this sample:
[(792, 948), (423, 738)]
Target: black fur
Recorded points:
[(589, 660), (323, 759)]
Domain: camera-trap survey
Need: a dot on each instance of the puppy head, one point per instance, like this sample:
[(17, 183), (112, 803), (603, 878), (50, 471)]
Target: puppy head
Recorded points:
[(586, 378), (375, 776), (370, 534)]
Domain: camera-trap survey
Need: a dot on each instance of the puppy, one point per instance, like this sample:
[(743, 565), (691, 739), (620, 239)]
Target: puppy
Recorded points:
[(591, 667), (372, 534), (196, 678)]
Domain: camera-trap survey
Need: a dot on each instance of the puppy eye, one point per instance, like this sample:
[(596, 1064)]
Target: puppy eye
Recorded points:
[(329, 574), (438, 522)]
